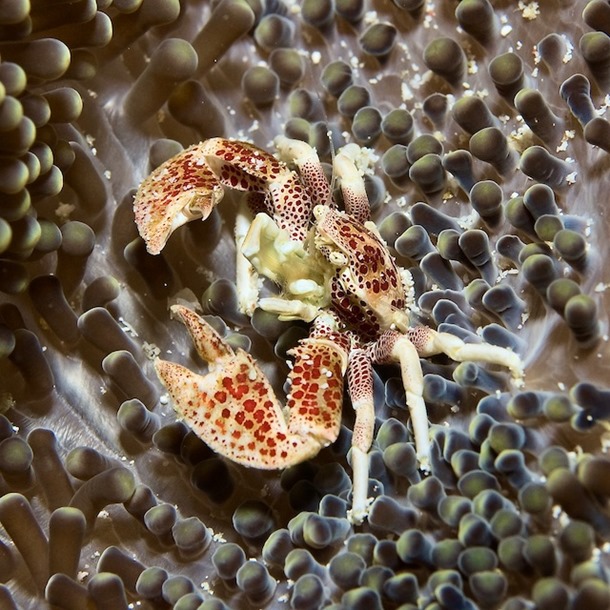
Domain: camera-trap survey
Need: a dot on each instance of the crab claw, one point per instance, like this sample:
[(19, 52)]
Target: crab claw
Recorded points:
[(245, 167), (233, 407), (178, 191)]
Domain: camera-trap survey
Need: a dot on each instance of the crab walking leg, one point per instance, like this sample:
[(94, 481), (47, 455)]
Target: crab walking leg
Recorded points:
[(352, 187), (395, 347), (360, 387), (310, 169), (429, 342), (246, 278), (234, 410)]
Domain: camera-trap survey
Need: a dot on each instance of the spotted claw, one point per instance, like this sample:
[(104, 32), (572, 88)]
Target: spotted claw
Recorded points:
[(235, 411)]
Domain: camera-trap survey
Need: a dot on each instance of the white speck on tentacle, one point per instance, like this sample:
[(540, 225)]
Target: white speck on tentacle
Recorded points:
[(127, 327)]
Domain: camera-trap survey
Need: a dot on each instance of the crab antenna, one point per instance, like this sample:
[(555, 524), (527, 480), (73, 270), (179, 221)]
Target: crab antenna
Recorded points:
[(333, 154)]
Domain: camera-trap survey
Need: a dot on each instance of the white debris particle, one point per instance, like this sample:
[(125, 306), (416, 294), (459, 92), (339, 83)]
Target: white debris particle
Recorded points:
[(205, 586), (569, 50), (370, 17), (561, 385), (469, 220), (354, 62), (405, 92), (430, 17), (522, 138), (206, 273), (447, 195), (568, 135), (164, 399), (571, 178), (316, 57), (605, 105), (601, 287), (151, 351), (536, 54), (364, 158), (127, 327), (64, 210), (505, 30), (529, 10), (108, 174)]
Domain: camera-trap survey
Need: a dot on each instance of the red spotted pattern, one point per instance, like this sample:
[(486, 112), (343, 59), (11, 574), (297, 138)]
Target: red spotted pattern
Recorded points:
[(233, 407), (234, 410), (245, 167), (316, 390), (313, 178), (183, 183), (369, 287), (356, 204), (242, 165)]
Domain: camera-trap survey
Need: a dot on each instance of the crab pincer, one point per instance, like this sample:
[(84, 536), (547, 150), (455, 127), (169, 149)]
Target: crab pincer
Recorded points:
[(180, 190), (233, 407)]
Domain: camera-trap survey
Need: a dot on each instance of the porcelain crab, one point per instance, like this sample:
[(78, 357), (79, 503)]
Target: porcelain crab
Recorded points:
[(334, 270)]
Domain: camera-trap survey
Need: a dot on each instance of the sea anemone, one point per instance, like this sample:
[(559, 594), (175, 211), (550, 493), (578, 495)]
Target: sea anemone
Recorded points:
[(484, 126)]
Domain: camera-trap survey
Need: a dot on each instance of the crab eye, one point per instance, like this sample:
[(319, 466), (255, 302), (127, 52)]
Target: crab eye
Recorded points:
[(338, 258)]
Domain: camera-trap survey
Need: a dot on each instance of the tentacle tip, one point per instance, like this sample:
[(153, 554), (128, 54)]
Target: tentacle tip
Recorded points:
[(359, 512), (518, 378), (424, 463)]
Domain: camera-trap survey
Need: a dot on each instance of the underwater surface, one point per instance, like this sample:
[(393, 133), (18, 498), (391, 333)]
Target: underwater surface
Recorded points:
[(486, 158)]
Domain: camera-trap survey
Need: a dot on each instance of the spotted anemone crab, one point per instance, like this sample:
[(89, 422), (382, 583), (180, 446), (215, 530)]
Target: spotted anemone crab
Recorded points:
[(334, 270)]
